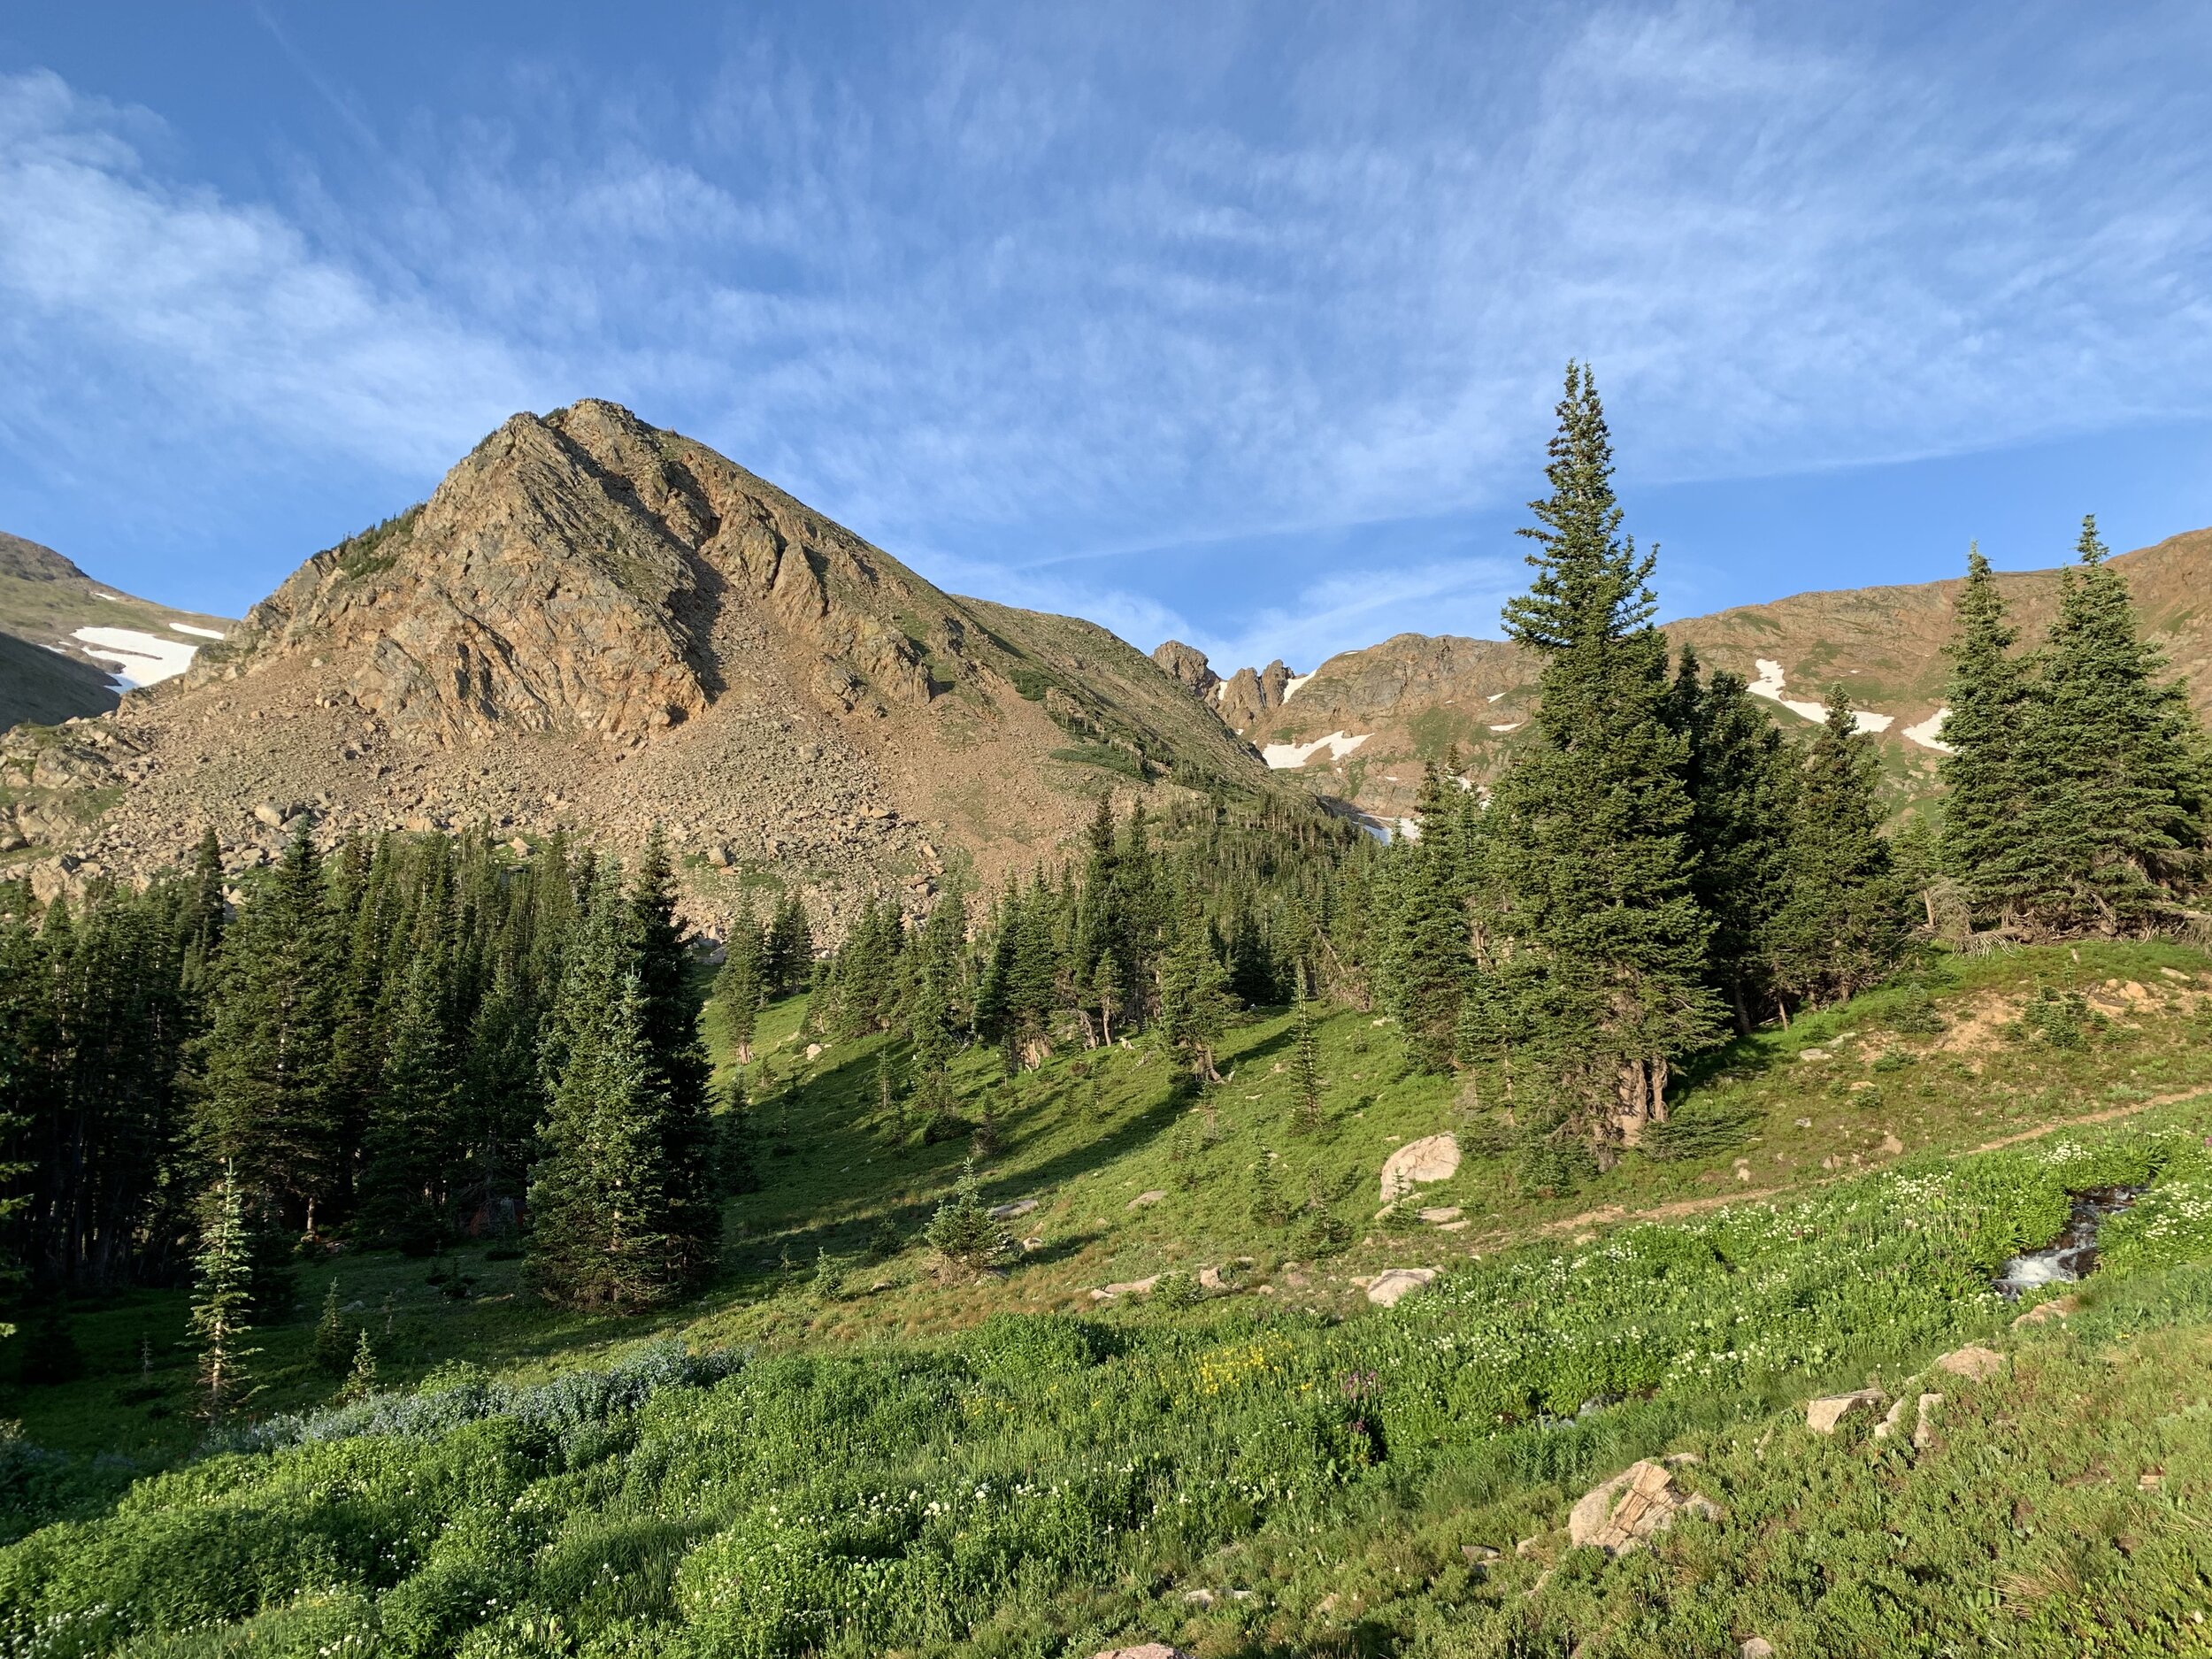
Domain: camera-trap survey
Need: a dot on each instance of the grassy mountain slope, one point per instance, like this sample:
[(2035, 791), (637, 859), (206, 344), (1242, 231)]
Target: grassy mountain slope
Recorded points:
[(49, 671), (1412, 697), (1282, 1468)]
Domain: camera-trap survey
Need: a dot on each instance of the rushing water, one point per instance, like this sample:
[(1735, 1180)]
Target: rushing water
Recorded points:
[(2074, 1254)]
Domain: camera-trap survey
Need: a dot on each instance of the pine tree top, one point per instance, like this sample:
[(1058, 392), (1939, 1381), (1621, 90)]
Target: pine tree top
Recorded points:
[(1591, 582)]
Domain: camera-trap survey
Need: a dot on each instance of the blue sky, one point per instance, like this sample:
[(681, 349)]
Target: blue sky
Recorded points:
[(1240, 323)]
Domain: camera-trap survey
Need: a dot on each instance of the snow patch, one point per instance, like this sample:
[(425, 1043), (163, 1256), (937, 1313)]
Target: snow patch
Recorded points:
[(113, 599), (205, 634), (1929, 733), (1769, 685), (1290, 686), (1494, 695), (140, 658), (1510, 726), (1290, 757)]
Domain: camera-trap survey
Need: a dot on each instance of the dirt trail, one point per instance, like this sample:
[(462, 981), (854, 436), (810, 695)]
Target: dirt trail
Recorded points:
[(1675, 1210)]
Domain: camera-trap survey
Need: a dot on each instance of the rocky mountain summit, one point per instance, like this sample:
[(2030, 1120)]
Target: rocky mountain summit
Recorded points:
[(1360, 726), (598, 624)]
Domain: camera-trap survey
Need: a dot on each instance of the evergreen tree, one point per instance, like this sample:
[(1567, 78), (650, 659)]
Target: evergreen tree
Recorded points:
[(620, 1201), (1427, 965), (204, 915), (1985, 800), (360, 1381), (1915, 854), (1305, 1112), (740, 987), (404, 1186), (961, 1232), (790, 947), (1595, 856), (222, 1304), (1842, 927), (1742, 781), (266, 1108), (502, 1096), (2112, 759), (1195, 1002), (334, 1337)]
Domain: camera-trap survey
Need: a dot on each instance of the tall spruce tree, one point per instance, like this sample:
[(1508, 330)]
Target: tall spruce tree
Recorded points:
[(266, 1106), (223, 1301), (1595, 859), (1427, 967), (789, 949), (740, 987), (621, 1200), (1842, 927), (1742, 780), (411, 1155), (1985, 800), (1195, 1000), (2111, 757)]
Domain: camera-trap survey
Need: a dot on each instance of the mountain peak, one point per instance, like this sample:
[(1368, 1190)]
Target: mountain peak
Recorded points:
[(30, 562), (596, 622)]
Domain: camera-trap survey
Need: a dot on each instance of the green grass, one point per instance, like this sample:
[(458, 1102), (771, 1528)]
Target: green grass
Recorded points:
[(880, 1385)]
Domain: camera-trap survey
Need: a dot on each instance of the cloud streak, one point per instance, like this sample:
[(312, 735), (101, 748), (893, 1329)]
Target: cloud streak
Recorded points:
[(1018, 288)]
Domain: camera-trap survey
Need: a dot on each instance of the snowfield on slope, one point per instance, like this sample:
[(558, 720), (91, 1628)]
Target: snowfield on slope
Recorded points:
[(1290, 757), (139, 658), (1769, 685)]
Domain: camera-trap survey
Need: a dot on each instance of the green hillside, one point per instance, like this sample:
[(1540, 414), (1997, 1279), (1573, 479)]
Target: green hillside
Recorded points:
[(886, 1459)]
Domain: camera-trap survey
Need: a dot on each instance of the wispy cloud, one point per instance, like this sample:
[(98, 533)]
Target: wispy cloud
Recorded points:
[(1014, 285)]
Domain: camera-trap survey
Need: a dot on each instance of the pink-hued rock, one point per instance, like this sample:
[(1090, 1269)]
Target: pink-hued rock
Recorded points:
[(1641, 1501)]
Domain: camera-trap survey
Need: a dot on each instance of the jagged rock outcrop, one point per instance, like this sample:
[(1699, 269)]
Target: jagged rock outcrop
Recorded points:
[(568, 575), (1189, 665), (1247, 698)]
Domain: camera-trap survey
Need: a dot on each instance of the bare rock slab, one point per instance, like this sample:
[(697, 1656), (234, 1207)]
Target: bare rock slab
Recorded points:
[(1417, 1163), (1973, 1362), (1641, 1501), (1824, 1414), (1388, 1289), (1127, 1287), (2043, 1312)]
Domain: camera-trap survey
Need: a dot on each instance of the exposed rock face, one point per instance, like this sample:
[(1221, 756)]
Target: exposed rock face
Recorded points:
[(1629, 1509), (1824, 1414), (1387, 1289), (1247, 698), (1430, 1158), (1188, 665), (567, 575), (597, 625), (1242, 700)]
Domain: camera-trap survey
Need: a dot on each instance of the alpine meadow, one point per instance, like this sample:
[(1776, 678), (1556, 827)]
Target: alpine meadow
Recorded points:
[(612, 1071)]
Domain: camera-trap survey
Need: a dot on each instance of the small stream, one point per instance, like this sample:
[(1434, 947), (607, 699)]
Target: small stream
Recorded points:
[(2074, 1254)]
